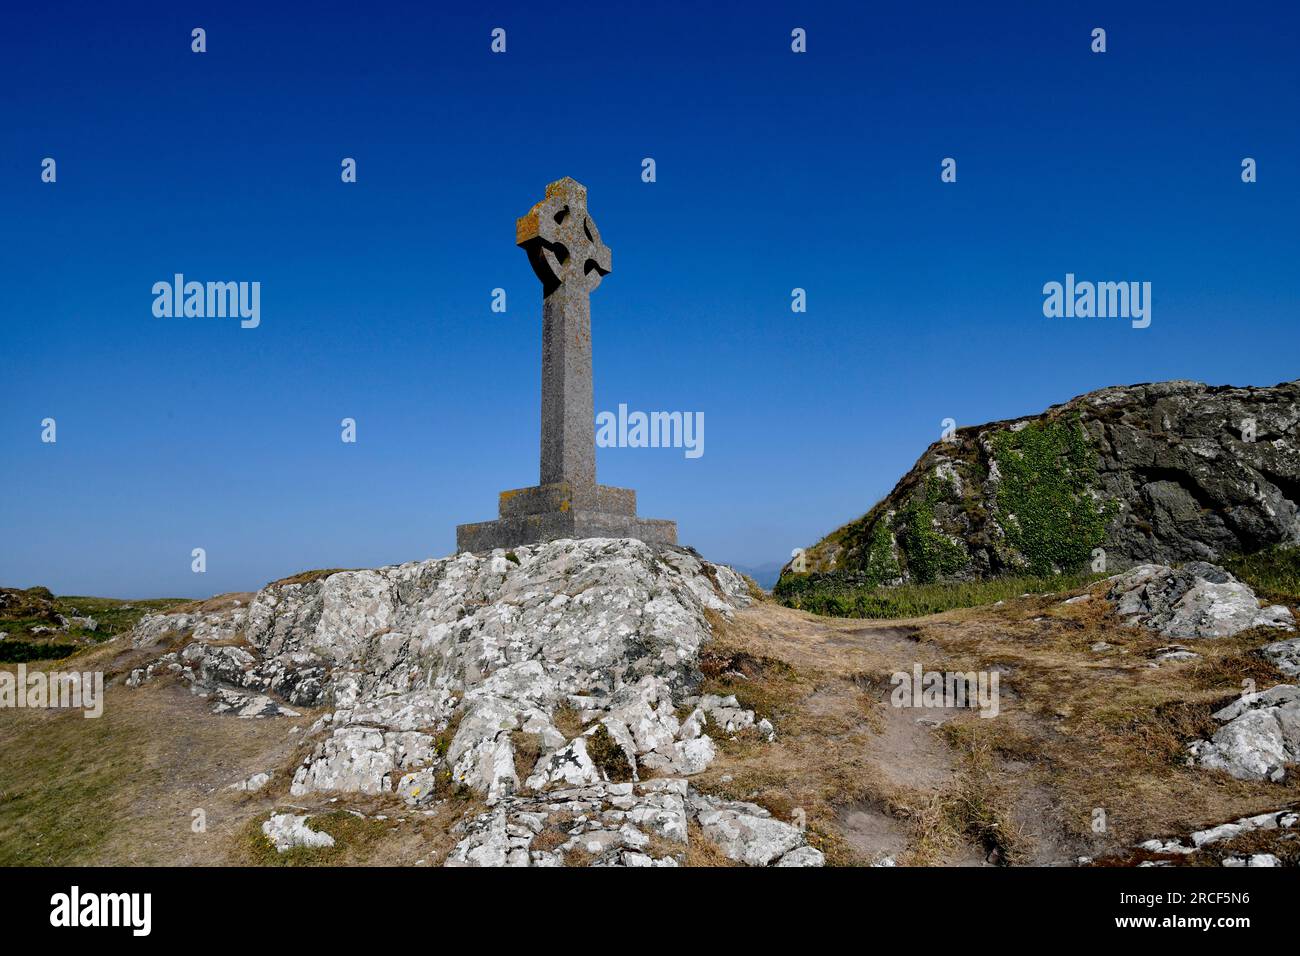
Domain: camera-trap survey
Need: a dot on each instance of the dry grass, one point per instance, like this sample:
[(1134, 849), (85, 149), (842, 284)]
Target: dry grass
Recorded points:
[(376, 831), (826, 718), (701, 851), (567, 720), (306, 577), (1104, 730), (528, 750), (1284, 844), (1078, 731), (221, 602), (116, 791)]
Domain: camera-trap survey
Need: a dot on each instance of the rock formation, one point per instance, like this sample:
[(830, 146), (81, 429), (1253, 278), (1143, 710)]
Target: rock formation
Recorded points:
[(1259, 737), (1165, 473), (558, 682), (1196, 600)]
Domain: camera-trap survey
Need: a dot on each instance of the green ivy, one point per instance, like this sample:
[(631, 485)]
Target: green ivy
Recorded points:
[(930, 554), (1047, 471), (882, 566)]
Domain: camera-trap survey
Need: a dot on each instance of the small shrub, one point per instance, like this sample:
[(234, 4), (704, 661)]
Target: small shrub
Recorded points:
[(608, 755)]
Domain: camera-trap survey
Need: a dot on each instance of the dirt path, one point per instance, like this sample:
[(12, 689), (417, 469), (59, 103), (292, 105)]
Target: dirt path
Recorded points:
[(883, 770)]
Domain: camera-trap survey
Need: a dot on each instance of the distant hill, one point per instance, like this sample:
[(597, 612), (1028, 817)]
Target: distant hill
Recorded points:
[(764, 575)]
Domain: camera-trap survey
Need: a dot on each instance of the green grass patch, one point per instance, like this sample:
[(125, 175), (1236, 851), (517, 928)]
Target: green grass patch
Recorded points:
[(307, 577), (1275, 570), (25, 615), (62, 785), (24, 652), (352, 834), (850, 594)]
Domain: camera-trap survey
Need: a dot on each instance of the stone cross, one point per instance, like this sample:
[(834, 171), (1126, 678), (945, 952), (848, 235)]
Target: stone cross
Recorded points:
[(566, 253)]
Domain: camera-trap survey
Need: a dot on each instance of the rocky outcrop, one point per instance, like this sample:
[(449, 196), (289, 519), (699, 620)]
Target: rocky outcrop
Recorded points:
[(557, 681), (1158, 473), (1196, 600), (1285, 656), (1259, 737), (1202, 840), (287, 831)]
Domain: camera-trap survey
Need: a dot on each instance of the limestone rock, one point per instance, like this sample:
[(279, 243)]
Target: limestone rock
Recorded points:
[(286, 831), (1255, 859), (253, 784), (1196, 600), (455, 669), (612, 824), (747, 833), (1199, 840), (1259, 736), (802, 856), (1285, 656), (478, 648)]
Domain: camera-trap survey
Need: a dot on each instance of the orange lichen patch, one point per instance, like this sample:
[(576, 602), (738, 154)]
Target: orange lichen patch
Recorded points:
[(526, 226), (566, 185)]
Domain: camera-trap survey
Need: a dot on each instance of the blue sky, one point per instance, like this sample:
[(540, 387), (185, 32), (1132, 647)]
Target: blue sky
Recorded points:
[(775, 171)]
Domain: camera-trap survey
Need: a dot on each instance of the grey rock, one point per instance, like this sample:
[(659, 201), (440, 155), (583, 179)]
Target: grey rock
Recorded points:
[(1259, 737), (611, 626), (254, 783), (696, 754), (248, 706), (1255, 859), (745, 832), (1197, 841), (1197, 600), (1285, 656), (1167, 846), (803, 856), (727, 713), (435, 669), (286, 831), (611, 823)]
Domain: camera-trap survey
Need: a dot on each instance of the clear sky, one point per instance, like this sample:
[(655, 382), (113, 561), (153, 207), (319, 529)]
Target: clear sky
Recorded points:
[(775, 170)]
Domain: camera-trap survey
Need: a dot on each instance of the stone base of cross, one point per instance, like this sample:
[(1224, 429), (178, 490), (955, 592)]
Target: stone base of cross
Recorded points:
[(566, 252), (560, 510)]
